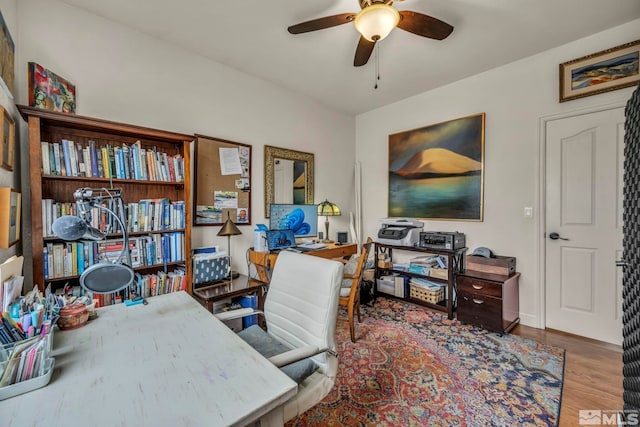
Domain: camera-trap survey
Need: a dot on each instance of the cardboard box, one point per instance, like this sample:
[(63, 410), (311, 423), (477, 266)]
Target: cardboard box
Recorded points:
[(502, 265)]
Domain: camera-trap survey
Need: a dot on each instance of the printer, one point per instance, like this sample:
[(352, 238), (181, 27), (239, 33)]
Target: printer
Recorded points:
[(400, 231)]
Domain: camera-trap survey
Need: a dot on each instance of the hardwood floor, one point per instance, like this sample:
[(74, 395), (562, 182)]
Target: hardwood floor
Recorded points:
[(592, 372)]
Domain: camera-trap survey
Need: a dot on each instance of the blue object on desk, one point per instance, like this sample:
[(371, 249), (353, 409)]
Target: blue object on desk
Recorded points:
[(129, 302), (249, 301)]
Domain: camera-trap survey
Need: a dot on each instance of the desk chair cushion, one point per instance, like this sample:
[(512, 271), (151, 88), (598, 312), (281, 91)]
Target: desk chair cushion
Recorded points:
[(268, 346), (350, 268)]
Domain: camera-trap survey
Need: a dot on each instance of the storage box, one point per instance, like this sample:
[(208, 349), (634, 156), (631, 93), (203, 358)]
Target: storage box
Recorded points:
[(427, 295), (502, 265), (440, 273), (386, 286), (210, 269)]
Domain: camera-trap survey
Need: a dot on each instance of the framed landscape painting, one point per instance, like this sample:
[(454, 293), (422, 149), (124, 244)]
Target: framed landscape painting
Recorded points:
[(437, 171), (600, 72)]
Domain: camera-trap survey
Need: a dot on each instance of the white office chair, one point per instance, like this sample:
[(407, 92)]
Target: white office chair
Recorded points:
[(300, 312)]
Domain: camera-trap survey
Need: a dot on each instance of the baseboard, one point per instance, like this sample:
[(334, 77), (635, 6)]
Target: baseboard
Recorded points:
[(530, 320)]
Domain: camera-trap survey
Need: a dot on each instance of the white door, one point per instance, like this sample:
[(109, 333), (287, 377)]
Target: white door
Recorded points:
[(283, 181), (583, 288)]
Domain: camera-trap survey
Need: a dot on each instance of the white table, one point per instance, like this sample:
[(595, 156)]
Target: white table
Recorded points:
[(169, 363)]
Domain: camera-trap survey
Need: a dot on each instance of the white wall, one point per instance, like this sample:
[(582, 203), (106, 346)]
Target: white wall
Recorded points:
[(10, 178), (514, 98), (124, 75)]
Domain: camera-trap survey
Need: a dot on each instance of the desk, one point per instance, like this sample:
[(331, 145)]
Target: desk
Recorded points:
[(267, 260), (168, 363), (223, 290)]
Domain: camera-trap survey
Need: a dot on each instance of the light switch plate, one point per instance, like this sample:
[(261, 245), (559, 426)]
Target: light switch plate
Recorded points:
[(528, 212)]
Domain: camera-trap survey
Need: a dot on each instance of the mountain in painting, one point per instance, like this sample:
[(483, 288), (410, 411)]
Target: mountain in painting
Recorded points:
[(438, 162), (300, 181)]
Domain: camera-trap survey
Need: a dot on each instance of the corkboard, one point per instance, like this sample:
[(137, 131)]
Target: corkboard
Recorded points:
[(222, 181)]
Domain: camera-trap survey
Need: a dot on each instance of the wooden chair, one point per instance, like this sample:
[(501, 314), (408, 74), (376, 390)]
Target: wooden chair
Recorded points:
[(350, 289)]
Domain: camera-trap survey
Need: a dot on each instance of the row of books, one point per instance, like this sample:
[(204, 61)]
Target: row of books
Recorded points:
[(145, 215), (73, 258), (162, 283), (148, 285), (67, 158)]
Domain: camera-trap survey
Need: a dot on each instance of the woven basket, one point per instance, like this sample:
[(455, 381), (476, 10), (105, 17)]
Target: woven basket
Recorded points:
[(368, 274), (427, 295)]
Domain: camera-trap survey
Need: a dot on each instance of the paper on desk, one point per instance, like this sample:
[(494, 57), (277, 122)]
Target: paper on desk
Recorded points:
[(11, 267), (12, 290)]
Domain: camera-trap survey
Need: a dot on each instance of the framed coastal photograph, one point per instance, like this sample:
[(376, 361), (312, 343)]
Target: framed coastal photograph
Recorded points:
[(7, 138), (611, 69), (437, 171)]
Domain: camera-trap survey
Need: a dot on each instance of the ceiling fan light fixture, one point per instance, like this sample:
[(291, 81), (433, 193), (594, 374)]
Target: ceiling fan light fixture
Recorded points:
[(375, 22)]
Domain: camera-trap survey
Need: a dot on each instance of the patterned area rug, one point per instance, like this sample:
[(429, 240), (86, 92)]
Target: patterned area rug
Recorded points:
[(414, 367)]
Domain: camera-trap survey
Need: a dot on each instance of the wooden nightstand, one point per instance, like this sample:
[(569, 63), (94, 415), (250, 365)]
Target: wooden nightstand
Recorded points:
[(490, 301)]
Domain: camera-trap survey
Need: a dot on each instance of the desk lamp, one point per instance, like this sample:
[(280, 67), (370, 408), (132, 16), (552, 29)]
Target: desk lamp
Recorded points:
[(328, 209), (229, 229), (103, 277)]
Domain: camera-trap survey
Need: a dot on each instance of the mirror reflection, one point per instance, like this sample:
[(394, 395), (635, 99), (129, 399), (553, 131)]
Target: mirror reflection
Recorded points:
[(288, 177)]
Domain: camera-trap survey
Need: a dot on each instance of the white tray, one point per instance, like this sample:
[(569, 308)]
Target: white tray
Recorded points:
[(29, 385)]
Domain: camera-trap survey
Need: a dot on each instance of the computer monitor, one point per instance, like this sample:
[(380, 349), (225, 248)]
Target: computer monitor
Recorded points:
[(302, 219)]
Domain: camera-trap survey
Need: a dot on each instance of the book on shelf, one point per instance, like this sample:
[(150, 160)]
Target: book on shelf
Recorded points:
[(72, 258), (68, 158)]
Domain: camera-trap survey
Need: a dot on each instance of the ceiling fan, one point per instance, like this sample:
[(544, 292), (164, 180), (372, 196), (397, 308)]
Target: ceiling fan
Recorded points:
[(374, 22)]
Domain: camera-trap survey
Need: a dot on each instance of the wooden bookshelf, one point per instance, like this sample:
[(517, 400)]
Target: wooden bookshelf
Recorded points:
[(52, 127)]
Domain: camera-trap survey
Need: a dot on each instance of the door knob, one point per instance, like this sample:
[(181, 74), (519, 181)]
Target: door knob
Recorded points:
[(621, 263), (556, 236)]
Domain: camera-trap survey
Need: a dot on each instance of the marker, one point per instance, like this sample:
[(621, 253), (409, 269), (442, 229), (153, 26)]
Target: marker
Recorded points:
[(26, 322)]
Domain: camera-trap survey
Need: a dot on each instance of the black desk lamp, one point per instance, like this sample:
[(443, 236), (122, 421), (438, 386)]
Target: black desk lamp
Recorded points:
[(229, 228)]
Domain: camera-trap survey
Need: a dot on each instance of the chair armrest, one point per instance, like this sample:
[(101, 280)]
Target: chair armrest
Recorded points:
[(295, 355), (349, 276), (236, 314)]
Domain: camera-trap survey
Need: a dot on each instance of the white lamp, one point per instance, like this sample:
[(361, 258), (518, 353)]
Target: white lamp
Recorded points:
[(375, 22)]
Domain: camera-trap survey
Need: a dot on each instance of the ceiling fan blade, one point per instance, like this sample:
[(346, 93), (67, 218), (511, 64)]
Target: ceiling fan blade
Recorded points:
[(322, 23), (424, 25), (363, 52)]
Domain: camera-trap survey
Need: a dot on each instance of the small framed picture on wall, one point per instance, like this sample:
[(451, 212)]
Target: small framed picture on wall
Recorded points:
[(7, 138)]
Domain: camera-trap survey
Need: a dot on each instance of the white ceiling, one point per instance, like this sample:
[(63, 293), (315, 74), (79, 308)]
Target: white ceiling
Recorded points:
[(251, 36)]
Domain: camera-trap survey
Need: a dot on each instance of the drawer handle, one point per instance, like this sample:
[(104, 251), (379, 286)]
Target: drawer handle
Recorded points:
[(477, 287), (478, 301)]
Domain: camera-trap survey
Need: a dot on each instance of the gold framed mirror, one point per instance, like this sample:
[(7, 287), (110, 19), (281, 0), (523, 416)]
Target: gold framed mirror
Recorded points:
[(288, 177)]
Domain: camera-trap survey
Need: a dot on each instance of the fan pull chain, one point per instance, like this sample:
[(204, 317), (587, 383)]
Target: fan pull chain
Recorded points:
[(377, 47)]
